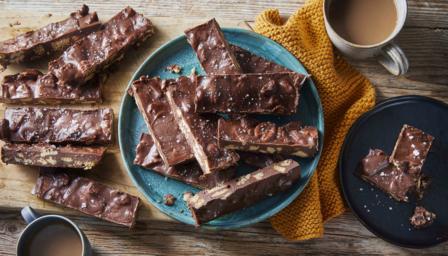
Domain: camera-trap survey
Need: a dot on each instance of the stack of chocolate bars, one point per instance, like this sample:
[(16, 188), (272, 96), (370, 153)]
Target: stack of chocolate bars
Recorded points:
[(189, 140), (400, 174), (62, 138)]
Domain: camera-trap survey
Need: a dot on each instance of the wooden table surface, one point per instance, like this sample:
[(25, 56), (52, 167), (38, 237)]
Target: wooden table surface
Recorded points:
[(424, 40)]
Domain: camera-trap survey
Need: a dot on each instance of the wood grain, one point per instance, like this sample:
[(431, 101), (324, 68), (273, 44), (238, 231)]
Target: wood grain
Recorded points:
[(424, 39)]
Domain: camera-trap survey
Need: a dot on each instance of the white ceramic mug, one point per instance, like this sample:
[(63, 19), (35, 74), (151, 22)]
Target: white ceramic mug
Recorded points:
[(386, 52)]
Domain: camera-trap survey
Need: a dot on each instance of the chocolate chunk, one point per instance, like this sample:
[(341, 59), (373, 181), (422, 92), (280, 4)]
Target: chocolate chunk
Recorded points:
[(251, 63), (169, 199), (60, 125), (396, 182), (88, 196), (411, 149), (212, 49), (165, 132), (422, 218), (46, 155), (31, 86), (53, 38), (243, 192), (148, 157), (176, 69), (100, 49), (249, 93), (265, 137), (199, 130)]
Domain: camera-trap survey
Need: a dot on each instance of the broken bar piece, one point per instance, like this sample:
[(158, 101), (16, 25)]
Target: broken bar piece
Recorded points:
[(411, 149), (46, 155), (212, 49), (265, 137), (98, 50), (88, 196), (59, 125), (148, 157), (249, 93), (53, 38), (376, 170), (422, 218), (162, 126), (199, 130), (251, 63), (243, 192), (32, 87)]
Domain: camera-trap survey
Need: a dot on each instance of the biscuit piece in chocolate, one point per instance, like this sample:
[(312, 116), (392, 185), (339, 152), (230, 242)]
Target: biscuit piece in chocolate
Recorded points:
[(266, 137), (98, 50), (376, 170), (153, 105), (199, 130), (46, 155), (422, 218), (148, 157), (212, 49), (60, 125), (243, 192), (251, 63), (88, 196), (31, 86), (249, 93), (52, 38), (411, 149)]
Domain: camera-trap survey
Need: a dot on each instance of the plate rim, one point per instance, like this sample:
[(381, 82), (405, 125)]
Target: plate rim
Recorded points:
[(380, 106), (280, 206)]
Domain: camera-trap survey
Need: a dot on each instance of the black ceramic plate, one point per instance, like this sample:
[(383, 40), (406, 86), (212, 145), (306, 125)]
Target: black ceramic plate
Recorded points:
[(379, 128)]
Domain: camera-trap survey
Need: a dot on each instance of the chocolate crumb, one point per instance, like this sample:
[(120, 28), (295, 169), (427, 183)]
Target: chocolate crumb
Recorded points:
[(49, 15), (176, 69), (169, 199), (422, 218)]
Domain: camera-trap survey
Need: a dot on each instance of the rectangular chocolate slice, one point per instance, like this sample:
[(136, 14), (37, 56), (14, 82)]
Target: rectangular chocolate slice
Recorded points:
[(46, 155), (249, 93), (147, 156), (53, 38), (199, 130), (266, 137), (251, 63), (162, 126), (376, 170), (88, 196), (32, 87), (411, 149), (212, 49), (59, 125), (98, 50), (243, 192)]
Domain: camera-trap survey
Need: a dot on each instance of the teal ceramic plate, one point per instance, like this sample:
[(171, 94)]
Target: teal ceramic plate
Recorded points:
[(154, 186)]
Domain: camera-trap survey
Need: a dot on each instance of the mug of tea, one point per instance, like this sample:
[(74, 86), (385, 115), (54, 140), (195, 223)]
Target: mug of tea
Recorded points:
[(51, 235), (365, 28)]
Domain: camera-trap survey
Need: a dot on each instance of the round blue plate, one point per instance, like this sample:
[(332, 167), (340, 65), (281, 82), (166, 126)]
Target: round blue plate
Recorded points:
[(154, 186)]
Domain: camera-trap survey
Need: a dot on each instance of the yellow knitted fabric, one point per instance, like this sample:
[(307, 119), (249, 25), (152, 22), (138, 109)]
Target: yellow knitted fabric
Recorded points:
[(345, 95)]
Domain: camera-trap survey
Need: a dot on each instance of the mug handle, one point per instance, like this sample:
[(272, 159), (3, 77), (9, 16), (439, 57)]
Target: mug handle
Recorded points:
[(393, 59), (28, 214)]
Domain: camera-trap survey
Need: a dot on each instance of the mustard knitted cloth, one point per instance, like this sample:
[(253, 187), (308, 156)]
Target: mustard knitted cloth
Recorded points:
[(345, 95)]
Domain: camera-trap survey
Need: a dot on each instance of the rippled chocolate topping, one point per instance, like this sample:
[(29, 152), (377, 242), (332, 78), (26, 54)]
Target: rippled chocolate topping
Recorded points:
[(98, 50), (60, 125), (251, 63), (31, 86), (199, 130), (247, 134), (243, 192), (46, 155), (422, 218), (88, 196), (147, 156), (249, 93), (54, 37), (153, 105), (212, 49), (411, 148)]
